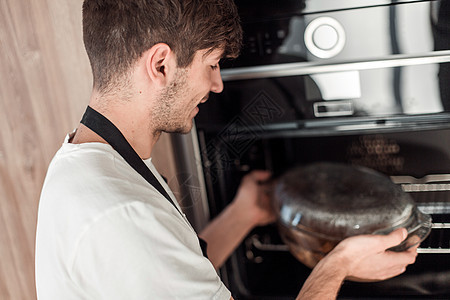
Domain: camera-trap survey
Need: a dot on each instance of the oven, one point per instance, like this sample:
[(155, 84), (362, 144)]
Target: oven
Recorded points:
[(359, 82)]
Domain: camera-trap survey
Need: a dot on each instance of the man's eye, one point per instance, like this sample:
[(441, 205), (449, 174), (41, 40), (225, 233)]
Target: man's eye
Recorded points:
[(215, 67)]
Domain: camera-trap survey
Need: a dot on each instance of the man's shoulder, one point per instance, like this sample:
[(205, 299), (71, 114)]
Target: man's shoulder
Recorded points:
[(83, 182), (76, 168)]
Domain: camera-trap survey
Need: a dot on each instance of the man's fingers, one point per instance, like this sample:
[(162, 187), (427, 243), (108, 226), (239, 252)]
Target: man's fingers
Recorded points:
[(403, 258), (260, 175), (394, 238)]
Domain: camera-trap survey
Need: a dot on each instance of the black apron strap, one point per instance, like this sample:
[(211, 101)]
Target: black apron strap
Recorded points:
[(112, 135), (203, 246)]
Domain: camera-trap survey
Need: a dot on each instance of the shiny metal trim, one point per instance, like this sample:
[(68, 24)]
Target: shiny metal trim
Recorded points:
[(307, 68), (199, 168), (433, 251), (428, 187), (255, 242), (434, 208), (440, 226), (436, 250), (188, 162), (333, 113), (424, 180), (429, 183)]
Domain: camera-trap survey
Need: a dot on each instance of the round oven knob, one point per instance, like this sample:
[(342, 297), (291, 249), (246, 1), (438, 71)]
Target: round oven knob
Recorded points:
[(324, 37)]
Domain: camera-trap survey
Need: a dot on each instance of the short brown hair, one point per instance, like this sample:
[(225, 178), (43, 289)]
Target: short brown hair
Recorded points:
[(117, 32)]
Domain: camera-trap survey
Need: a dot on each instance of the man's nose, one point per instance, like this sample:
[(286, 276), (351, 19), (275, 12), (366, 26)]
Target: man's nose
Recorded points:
[(216, 82)]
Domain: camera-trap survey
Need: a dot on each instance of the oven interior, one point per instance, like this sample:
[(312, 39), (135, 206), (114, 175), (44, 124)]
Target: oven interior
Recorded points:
[(418, 160)]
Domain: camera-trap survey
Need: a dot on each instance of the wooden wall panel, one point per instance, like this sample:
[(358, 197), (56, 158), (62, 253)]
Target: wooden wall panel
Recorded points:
[(45, 84)]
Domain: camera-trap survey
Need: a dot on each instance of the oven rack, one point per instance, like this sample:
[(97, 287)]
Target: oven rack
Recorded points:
[(255, 241), (433, 244), (432, 195)]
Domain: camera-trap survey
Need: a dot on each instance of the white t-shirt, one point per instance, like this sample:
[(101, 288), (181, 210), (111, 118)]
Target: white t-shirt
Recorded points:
[(104, 232)]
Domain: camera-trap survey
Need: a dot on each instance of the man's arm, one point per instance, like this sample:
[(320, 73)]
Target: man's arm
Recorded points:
[(251, 207), (362, 258)]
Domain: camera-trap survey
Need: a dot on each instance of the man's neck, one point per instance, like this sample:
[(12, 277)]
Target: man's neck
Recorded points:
[(130, 123)]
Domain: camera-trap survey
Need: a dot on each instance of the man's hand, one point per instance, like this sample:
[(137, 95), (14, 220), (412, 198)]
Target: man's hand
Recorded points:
[(362, 258), (253, 197), (366, 258), (251, 207)]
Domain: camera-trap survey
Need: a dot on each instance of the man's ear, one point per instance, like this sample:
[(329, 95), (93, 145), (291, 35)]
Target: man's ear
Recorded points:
[(159, 62)]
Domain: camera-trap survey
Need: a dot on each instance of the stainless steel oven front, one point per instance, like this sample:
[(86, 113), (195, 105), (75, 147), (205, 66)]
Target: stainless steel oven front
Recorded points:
[(360, 82)]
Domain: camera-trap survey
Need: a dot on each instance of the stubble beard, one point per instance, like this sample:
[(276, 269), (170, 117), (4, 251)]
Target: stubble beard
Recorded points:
[(168, 116)]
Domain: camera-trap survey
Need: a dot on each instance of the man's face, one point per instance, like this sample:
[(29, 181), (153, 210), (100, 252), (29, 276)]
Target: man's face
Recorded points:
[(190, 87)]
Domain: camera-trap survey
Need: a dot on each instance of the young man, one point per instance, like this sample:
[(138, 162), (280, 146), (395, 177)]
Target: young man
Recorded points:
[(108, 225)]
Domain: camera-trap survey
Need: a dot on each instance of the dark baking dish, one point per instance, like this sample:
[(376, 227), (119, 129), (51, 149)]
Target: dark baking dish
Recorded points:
[(321, 204)]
